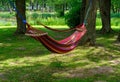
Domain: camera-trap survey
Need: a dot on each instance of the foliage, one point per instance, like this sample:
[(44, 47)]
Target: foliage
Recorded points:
[(3, 4), (51, 4), (35, 18), (115, 6), (6, 15), (73, 15)]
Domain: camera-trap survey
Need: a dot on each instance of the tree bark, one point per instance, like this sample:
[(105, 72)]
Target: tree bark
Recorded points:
[(21, 27), (105, 7), (90, 36)]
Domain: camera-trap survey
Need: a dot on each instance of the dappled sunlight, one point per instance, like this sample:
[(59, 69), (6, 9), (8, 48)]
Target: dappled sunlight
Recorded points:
[(61, 74), (28, 60), (25, 61), (81, 73), (100, 53), (5, 44), (115, 62)]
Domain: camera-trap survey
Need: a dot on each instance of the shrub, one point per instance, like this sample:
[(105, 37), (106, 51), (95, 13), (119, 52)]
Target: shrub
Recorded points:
[(73, 17), (6, 15), (35, 15)]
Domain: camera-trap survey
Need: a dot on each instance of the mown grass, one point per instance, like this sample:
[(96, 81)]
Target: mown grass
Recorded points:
[(22, 59)]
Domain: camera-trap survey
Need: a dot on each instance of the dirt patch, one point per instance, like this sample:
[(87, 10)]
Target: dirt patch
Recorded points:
[(91, 72), (115, 62)]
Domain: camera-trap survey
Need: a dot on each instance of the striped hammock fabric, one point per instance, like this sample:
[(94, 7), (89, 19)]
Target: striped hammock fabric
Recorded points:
[(62, 46)]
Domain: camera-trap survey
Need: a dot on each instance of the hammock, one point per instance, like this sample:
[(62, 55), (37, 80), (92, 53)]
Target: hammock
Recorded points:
[(53, 45)]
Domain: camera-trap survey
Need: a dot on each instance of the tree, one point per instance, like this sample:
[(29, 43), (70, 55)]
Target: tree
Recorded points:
[(118, 39), (78, 14), (3, 6), (21, 8), (90, 36), (60, 6), (115, 6), (105, 7)]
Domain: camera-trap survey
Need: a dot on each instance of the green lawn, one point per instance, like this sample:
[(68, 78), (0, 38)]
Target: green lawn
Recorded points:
[(22, 59)]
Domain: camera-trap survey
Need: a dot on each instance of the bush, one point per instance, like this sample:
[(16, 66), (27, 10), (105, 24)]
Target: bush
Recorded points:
[(73, 17), (115, 15), (52, 21), (6, 15), (47, 15), (35, 15)]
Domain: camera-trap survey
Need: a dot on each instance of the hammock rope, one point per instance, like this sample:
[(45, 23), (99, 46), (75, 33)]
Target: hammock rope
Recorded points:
[(62, 46), (66, 30)]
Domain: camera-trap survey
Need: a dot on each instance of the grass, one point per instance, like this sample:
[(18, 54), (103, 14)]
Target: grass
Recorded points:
[(35, 18), (23, 59)]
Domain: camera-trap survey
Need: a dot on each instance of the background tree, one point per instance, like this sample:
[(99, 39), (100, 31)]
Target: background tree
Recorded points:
[(115, 6), (60, 6), (105, 7), (3, 6), (118, 38), (21, 27)]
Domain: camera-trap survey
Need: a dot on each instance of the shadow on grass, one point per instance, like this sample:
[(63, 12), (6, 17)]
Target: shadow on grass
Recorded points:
[(12, 46), (36, 73), (41, 73), (106, 49)]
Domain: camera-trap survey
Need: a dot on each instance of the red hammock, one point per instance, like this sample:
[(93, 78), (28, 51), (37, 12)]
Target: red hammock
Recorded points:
[(55, 46)]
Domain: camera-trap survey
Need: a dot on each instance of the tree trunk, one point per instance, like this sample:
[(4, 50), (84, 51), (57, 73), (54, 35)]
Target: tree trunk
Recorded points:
[(31, 5), (62, 11), (10, 9), (37, 6), (113, 9), (91, 22), (118, 38), (105, 15), (59, 8), (82, 11), (21, 27)]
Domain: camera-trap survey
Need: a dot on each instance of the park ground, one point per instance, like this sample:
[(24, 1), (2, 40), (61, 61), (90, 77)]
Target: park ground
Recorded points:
[(22, 59)]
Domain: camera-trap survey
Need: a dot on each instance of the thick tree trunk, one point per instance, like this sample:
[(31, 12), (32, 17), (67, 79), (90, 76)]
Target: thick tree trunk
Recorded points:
[(105, 15), (90, 36), (21, 27)]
